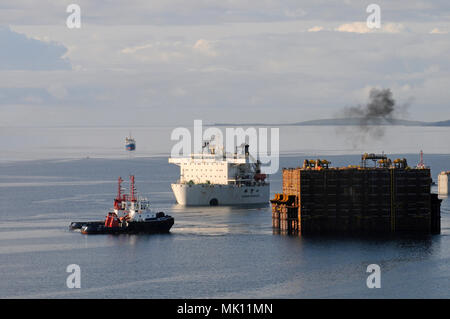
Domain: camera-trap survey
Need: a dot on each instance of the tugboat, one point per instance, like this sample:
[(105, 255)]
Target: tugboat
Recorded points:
[(131, 215)]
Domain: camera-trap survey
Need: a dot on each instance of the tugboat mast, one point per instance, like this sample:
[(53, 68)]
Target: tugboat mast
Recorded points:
[(120, 197), (132, 189)]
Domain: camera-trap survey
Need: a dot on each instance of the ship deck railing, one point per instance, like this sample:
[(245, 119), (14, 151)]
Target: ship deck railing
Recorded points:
[(230, 182)]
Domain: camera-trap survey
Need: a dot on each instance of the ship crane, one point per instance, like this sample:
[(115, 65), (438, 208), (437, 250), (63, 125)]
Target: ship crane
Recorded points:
[(208, 143), (255, 162), (380, 159)]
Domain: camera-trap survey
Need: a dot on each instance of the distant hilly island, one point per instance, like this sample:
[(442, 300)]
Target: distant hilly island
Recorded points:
[(344, 122)]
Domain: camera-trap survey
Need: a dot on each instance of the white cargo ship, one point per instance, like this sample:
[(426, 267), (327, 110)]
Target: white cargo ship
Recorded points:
[(210, 179)]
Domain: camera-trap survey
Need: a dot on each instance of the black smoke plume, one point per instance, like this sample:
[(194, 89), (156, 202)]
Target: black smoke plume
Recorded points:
[(370, 120)]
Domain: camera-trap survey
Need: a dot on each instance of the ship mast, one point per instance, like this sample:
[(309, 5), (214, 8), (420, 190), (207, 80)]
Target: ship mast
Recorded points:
[(132, 189), (421, 163), (120, 198)]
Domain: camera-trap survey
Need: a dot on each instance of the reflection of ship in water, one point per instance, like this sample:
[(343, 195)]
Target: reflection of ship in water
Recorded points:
[(221, 220), (130, 143)]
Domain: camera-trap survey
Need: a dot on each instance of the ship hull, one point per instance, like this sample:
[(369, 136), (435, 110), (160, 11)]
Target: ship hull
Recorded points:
[(160, 225), (130, 147), (215, 194)]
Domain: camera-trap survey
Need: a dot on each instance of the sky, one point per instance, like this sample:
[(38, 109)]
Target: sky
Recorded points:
[(168, 62)]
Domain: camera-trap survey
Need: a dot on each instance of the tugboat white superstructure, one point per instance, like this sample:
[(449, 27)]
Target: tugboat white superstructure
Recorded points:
[(211, 179)]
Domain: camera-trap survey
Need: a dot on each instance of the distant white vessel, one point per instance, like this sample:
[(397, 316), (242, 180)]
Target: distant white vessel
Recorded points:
[(213, 179)]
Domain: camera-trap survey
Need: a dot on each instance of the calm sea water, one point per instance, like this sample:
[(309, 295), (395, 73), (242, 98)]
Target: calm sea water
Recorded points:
[(211, 252), (28, 143)]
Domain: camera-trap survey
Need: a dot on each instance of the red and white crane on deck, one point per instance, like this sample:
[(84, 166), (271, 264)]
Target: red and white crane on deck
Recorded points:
[(122, 202)]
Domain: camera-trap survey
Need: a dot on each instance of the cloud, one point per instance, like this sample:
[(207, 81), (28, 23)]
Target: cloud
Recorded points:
[(361, 27), (136, 48), (315, 29), (392, 27), (178, 92), (294, 13), (18, 52), (156, 52), (438, 31), (193, 70), (31, 96), (356, 27), (57, 90), (205, 47), (213, 12)]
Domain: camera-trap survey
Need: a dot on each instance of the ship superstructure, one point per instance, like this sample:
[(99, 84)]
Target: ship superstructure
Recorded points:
[(216, 178)]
